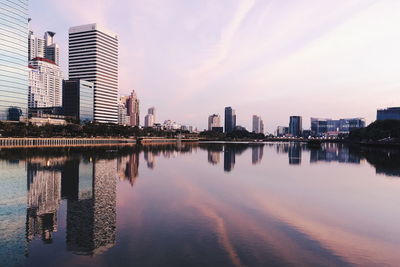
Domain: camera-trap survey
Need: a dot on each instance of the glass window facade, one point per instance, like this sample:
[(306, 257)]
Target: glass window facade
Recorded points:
[(78, 99), (13, 59)]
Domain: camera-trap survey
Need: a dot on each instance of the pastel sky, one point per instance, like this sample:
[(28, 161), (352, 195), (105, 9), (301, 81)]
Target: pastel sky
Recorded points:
[(274, 58)]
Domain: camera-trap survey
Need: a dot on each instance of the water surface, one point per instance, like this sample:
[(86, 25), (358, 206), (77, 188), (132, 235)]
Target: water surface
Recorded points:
[(200, 205)]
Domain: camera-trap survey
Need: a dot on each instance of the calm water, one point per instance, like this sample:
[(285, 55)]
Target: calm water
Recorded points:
[(200, 205)]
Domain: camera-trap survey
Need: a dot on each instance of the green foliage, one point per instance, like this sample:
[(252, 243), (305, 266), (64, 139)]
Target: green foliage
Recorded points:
[(376, 131), (235, 135), (77, 130)]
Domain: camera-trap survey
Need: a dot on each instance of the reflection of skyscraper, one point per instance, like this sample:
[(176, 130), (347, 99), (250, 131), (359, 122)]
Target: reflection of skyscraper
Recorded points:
[(229, 159), (257, 153), (213, 157), (128, 167), (91, 219), (295, 154), (149, 158), (44, 195)]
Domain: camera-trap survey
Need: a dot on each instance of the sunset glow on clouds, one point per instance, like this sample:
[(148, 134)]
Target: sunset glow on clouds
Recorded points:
[(268, 57)]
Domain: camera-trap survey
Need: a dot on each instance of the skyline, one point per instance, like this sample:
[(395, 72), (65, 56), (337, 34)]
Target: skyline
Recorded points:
[(245, 55)]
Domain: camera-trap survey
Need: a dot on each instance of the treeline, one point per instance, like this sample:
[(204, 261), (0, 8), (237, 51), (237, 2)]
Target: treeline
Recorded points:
[(77, 130), (235, 135), (377, 131)]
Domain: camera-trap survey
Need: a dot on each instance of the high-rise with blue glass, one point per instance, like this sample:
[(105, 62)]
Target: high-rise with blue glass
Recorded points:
[(13, 59)]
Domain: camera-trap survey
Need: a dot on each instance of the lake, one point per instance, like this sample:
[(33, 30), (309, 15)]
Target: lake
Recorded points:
[(215, 204)]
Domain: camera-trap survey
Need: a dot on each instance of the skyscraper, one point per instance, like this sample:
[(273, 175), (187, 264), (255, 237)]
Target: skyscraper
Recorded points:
[(214, 120), (45, 83), (52, 50), (78, 99), (13, 59), (93, 56), (295, 126), (258, 124), (150, 118), (230, 119), (132, 106)]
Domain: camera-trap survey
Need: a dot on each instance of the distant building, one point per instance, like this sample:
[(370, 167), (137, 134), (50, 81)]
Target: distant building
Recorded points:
[(43, 47), (295, 126), (150, 118), (13, 59), (78, 99), (230, 119), (282, 131), (218, 129), (132, 106), (45, 83), (93, 56), (392, 113), (52, 50), (322, 127), (258, 124), (214, 121)]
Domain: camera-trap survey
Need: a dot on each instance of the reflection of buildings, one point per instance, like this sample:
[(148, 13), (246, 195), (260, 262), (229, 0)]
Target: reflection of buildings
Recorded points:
[(214, 157), (128, 167), (44, 195), (149, 158), (229, 159), (295, 154), (91, 212), (257, 153), (333, 152)]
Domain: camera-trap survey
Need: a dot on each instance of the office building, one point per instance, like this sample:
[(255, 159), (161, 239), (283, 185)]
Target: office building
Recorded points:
[(43, 47), (45, 83), (214, 121), (150, 118), (230, 119), (258, 124), (13, 59), (282, 131), (322, 127), (78, 99), (295, 126), (93, 56), (392, 113), (123, 118), (132, 106)]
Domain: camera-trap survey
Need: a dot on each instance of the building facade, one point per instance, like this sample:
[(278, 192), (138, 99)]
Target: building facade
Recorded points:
[(45, 84), (43, 47), (93, 56), (295, 126), (214, 121), (392, 113), (230, 119), (78, 99), (13, 59), (132, 106), (258, 124), (321, 127), (150, 118)]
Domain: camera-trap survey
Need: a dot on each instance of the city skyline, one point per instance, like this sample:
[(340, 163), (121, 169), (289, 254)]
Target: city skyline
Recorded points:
[(243, 63)]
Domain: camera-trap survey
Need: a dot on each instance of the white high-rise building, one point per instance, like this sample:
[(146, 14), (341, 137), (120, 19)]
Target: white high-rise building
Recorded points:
[(45, 84), (93, 56), (214, 121)]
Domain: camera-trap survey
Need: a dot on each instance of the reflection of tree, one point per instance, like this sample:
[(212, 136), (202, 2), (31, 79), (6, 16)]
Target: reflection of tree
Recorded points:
[(385, 161)]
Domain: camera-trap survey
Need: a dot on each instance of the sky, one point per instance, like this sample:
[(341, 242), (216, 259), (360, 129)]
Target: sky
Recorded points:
[(272, 58)]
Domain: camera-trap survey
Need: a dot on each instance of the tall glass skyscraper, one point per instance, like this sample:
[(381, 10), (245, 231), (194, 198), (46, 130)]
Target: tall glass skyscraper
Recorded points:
[(13, 59), (230, 120)]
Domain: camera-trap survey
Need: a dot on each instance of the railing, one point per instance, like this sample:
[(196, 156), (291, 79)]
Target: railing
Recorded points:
[(38, 142)]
